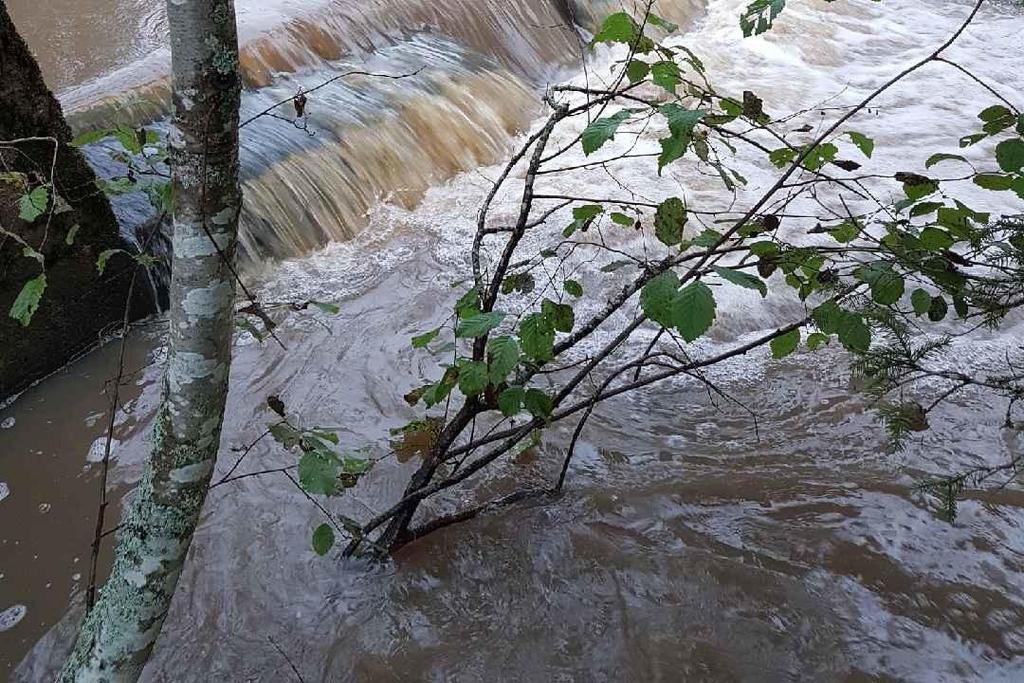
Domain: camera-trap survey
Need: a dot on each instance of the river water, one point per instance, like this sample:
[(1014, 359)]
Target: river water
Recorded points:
[(690, 544)]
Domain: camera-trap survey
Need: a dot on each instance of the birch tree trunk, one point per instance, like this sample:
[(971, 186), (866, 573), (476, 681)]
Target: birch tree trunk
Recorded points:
[(117, 636)]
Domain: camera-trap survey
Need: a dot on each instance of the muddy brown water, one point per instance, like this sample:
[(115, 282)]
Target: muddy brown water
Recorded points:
[(693, 542)]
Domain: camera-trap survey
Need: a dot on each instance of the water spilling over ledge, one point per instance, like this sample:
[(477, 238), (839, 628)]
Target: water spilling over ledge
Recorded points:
[(480, 66)]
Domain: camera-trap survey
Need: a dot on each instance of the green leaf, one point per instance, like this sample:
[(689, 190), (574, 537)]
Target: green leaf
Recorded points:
[(602, 130), (658, 298), (708, 238), (681, 123), (617, 28), (994, 181), (919, 188), (478, 325), (743, 279), (504, 357), (669, 221), (925, 208), (32, 205), (104, 257), (69, 239), (323, 539), (286, 435), (786, 344), (467, 304), (510, 402), (759, 16), (583, 216), (318, 473), (865, 144), (615, 265), (90, 137), (782, 157), (655, 20), (935, 239), (854, 333), (422, 340), (1010, 155), (637, 70), (330, 309), (846, 232), (537, 337), (436, 393), (939, 158), (937, 309), (886, 285), (921, 301), (994, 113), (561, 316), (473, 378), (694, 310), (666, 75), (523, 283), (819, 155), (622, 219), (573, 288), (27, 301), (816, 340), (537, 403)]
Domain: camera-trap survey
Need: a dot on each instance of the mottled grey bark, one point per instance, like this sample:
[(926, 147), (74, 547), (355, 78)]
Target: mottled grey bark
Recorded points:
[(117, 637)]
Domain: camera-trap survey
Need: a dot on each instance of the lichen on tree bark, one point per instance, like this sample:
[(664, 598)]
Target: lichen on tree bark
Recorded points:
[(118, 635)]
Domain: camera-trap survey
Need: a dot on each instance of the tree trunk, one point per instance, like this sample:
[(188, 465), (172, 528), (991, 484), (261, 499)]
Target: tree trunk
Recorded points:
[(78, 302), (118, 635)]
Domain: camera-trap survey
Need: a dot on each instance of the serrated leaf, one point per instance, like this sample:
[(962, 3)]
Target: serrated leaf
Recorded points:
[(478, 325), (602, 130), (510, 402), (323, 539), (637, 70), (681, 123), (854, 333), (669, 221), (694, 310), (921, 301), (573, 288), (865, 144), (537, 337), (537, 403), (785, 344), (561, 316), (33, 205), (743, 279), (318, 473), (658, 298), (1010, 155), (27, 302), (886, 285), (666, 74), (816, 340), (935, 239), (617, 28), (504, 357), (473, 378)]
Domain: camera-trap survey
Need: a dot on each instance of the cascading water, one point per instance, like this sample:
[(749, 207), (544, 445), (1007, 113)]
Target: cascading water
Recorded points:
[(689, 545)]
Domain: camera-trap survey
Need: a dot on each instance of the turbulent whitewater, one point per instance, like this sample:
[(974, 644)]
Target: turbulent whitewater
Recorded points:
[(689, 545)]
